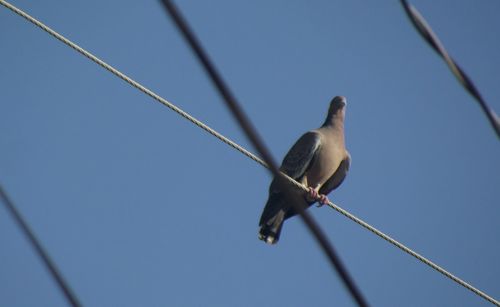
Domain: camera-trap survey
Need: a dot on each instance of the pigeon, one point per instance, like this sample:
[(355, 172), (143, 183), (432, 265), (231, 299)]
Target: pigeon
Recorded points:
[(318, 160)]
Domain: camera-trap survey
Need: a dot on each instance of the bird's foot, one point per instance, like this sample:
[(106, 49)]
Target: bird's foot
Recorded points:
[(313, 194), (323, 200)]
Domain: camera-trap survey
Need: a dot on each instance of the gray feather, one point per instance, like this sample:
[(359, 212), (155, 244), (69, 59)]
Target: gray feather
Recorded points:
[(319, 160), (299, 157), (296, 162)]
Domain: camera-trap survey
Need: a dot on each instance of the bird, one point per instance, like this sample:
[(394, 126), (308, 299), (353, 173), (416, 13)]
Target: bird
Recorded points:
[(319, 161)]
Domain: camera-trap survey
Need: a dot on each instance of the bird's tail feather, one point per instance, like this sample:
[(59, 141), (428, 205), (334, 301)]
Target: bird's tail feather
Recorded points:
[(270, 230)]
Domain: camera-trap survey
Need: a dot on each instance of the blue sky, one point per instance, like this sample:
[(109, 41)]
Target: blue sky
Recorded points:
[(138, 207)]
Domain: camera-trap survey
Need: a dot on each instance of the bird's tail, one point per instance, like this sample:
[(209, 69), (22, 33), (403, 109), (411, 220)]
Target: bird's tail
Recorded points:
[(270, 230)]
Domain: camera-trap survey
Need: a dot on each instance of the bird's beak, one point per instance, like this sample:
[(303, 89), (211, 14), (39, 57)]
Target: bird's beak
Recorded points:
[(340, 100)]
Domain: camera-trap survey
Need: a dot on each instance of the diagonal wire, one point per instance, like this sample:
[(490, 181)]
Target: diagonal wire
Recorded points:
[(306, 217), (259, 145), (130, 81), (242, 150), (431, 38), (51, 266)]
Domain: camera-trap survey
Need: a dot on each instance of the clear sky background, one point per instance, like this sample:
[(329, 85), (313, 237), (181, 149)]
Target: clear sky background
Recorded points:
[(138, 207)]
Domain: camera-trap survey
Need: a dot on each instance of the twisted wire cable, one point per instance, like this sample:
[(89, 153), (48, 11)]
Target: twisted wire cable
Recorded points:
[(431, 38)]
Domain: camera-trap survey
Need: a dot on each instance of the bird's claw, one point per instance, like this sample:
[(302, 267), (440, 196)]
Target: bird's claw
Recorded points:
[(321, 198), (313, 194)]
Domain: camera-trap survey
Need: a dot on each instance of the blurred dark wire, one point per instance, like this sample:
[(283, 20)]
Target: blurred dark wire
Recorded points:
[(251, 133), (426, 31), (51, 266)]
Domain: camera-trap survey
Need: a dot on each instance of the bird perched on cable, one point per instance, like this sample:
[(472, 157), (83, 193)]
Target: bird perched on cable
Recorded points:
[(318, 160)]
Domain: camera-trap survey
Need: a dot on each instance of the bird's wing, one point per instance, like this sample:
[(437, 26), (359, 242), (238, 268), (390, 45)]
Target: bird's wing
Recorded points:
[(299, 158), (336, 179), (295, 164)]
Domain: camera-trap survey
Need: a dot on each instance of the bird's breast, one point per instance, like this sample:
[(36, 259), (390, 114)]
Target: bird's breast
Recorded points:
[(325, 164)]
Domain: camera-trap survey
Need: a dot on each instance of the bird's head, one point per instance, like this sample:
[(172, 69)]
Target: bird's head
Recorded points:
[(336, 111), (337, 104)]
